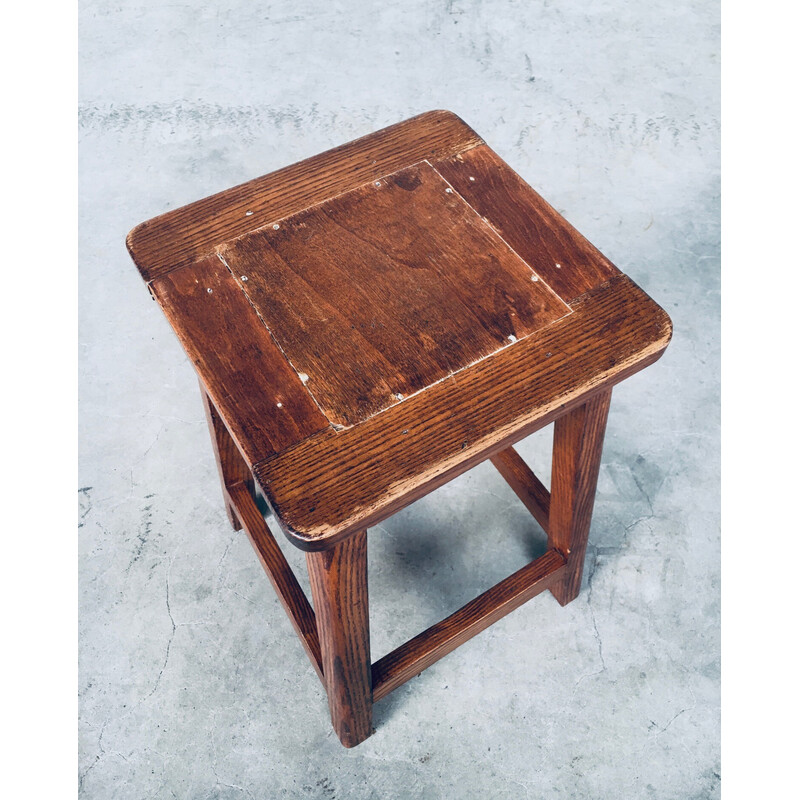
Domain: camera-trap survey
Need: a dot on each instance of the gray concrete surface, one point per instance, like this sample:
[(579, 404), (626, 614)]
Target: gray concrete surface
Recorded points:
[(192, 684)]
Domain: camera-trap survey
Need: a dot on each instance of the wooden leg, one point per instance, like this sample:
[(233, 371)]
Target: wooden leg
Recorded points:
[(232, 467), (339, 590), (577, 446)]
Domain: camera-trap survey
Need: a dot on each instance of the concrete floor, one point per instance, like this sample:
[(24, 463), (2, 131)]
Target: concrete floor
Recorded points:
[(192, 684)]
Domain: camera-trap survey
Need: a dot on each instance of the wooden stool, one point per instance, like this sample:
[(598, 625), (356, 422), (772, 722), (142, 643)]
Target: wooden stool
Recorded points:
[(372, 322)]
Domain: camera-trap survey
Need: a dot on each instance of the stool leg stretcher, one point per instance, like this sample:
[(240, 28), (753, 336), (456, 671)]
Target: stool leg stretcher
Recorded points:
[(336, 638)]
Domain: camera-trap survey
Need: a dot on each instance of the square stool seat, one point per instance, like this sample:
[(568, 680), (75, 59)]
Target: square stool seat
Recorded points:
[(372, 322)]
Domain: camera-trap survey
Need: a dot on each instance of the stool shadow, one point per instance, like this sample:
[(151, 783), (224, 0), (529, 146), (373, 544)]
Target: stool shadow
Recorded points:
[(451, 567), (436, 566)]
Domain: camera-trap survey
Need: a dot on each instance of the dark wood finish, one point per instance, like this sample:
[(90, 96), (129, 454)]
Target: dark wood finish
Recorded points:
[(280, 574), (230, 464), (525, 484), (238, 363), (339, 590), (577, 447), (305, 295), (336, 482), (386, 289), (366, 325), (188, 234), (428, 647), (558, 253)]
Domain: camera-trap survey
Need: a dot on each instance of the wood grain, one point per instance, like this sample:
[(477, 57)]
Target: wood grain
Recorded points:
[(190, 233), (387, 289), (425, 649), (335, 482), (363, 340), (280, 574), (525, 484), (577, 447), (339, 590), (555, 250), (245, 375), (366, 325)]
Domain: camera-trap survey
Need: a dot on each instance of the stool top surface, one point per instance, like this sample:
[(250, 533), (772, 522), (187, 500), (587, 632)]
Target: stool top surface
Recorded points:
[(373, 320)]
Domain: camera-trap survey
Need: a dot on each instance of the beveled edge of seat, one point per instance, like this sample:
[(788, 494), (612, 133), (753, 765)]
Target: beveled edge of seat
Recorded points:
[(184, 235), (333, 484)]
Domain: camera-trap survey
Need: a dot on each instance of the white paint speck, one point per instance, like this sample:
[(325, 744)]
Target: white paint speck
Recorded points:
[(244, 277), (377, 183), (471, 178), (512, 338), (558, 266), (210, 291), (534, 278), (449, 190), (399, 396), (275, 226), (280, 405), (248, 213), (303, 377)]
